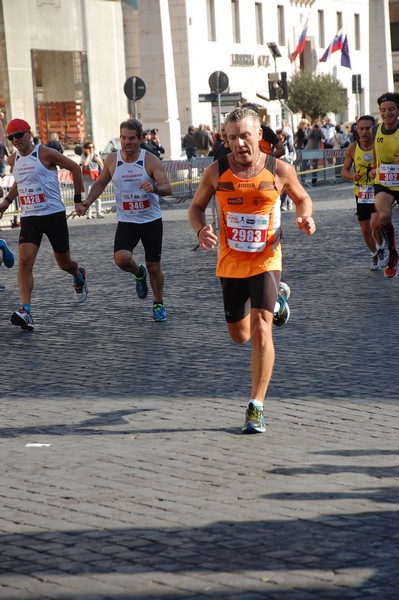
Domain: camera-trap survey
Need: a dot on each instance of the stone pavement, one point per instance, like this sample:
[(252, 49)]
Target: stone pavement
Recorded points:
[(142, 486)]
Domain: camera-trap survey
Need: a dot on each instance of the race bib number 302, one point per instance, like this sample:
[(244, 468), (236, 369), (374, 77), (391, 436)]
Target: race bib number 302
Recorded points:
[(389, 174), (247, 232)]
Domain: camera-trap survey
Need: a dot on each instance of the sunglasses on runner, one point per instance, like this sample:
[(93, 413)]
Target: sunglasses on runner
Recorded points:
[(17, 136)]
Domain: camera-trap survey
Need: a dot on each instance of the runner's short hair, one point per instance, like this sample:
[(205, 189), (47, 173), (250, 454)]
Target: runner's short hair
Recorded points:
[(367, 118), (134, 125), (240, 113)]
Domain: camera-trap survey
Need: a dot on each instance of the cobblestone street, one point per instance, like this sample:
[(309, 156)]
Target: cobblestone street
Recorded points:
[(124, 472)]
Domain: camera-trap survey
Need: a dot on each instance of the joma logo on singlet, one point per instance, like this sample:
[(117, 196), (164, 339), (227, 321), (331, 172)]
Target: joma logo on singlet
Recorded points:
[(246, 185)]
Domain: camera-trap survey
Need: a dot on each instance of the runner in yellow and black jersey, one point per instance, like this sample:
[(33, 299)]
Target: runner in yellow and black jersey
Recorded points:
[(357, 166), (386, 173)]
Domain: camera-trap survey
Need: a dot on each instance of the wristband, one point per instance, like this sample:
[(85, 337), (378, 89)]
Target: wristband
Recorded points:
[(155, 186), (77, 198), (199, 230), (8, 200)]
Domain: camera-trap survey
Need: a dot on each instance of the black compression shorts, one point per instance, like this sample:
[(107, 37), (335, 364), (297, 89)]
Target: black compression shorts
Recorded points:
[(364, 211), (53, 226), (382, 188), (240, 295), (128, 235)]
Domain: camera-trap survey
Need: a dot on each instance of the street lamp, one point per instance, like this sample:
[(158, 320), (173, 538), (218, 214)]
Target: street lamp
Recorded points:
[(275, 52)]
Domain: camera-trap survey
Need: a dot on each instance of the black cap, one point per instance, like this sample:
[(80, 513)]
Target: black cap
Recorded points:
[(389, 97)]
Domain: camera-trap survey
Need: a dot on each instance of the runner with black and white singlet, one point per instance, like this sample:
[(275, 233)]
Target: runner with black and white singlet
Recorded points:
[(34, 167), (138, 179)]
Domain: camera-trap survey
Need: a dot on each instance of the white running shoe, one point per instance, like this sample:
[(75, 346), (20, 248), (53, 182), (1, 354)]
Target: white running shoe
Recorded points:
[(81, 290), (382, 257), (22, 319), (375, 263)]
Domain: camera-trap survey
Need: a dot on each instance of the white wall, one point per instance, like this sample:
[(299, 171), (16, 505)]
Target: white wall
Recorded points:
[(94, 26)]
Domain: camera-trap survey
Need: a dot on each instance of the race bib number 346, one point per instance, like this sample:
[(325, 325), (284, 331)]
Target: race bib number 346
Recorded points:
[(247, 232), (135, 202)]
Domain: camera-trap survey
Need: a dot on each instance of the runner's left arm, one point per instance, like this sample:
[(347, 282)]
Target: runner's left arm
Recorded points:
[(155, 170)]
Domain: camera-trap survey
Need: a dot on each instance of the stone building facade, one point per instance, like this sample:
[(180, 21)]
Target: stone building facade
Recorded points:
[(63, 63)]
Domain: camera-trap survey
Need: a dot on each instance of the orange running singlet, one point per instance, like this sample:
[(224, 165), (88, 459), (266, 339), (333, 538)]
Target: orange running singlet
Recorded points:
[(250, 229)]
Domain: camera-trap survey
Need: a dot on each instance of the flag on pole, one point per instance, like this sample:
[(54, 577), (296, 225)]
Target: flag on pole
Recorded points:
[(335, 45), (301, 43), (345, 58)]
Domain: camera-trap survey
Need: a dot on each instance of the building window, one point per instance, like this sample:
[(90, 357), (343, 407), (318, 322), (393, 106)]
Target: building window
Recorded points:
[(320, 17), (281, 25), (210, 13), (235, 15), (395, 37), (259, 24), (357, 32), (339, 20)]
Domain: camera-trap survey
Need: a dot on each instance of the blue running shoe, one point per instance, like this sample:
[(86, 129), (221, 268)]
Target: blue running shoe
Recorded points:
[(254, 419), (141, 284), (158, 313), (8, 257)]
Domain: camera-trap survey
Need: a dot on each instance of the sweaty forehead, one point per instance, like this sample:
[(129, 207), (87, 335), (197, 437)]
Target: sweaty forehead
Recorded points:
[(389, 104), (128, 133)]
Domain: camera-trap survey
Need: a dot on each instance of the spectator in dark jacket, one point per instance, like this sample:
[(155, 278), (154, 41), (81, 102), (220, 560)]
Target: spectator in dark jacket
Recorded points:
[(154, 139), (188, 143), (146, 143), (203, 140)]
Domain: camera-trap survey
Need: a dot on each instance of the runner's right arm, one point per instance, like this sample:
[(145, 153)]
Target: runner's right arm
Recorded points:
[(347, 166), (99, 186), (206, 189)]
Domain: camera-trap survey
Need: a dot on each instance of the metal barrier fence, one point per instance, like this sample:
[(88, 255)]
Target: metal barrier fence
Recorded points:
[(184, 177), (328, 163)]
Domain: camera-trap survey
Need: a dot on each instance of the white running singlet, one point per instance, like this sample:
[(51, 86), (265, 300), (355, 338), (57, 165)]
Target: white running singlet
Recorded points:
[(133, 204), (38, 188)]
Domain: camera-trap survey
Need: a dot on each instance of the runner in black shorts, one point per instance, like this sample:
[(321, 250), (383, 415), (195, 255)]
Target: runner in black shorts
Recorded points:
[(34, 167), (386, 172), (138, 179), (357, 166)]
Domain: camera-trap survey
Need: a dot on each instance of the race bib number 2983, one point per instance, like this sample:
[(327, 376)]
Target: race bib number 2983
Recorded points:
[(247, 232)]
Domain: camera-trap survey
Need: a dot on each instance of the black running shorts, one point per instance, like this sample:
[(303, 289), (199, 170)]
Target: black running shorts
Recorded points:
[(240, 295), (128, 235), (53, 226), (364, 211), (382, 188)]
